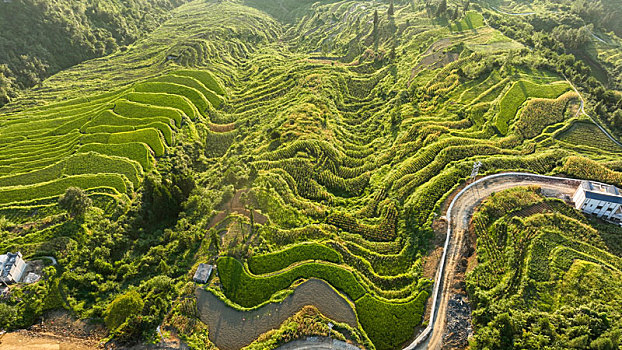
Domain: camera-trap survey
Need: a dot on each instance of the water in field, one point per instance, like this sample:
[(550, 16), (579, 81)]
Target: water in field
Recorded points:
[(231, 329)]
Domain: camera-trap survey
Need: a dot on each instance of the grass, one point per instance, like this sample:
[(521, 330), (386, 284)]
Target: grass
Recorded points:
[(165, 100), (390, 325), (188, 81), (195, 96), (138, 110), (152, 137), (206, 78), (136, 151)]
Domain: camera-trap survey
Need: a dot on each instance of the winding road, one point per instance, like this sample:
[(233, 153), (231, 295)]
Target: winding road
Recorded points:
[(458, 216)]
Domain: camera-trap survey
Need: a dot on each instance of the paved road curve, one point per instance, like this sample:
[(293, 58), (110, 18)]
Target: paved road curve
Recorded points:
[(458, 216)]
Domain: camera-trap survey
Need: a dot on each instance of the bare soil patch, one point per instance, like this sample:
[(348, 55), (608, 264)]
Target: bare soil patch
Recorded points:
[(28, 340)]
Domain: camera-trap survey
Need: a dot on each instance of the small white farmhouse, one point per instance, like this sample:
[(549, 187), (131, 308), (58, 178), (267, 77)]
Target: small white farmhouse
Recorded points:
[(602, 200)]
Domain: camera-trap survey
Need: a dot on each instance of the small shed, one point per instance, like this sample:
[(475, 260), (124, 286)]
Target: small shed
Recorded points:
[(204, 271)]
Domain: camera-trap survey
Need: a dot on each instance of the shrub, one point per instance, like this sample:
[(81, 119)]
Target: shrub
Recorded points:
[(75, 201), (121, 308), (390, 325)]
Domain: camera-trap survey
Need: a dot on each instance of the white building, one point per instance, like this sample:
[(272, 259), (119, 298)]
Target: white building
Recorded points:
[(602, 200), (12, 267), (203, 273)]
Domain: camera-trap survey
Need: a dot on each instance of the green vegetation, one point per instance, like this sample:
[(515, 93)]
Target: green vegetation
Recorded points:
[(518, 94), (472, 20), (390, 325), (540, 113), (265, 263), (287, 140), (40, 39), (587, 134), (543, 270), (55, 188), (251, 291), (121, 308)]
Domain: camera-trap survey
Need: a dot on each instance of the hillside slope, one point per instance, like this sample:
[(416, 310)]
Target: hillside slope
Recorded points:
[(40, 38), (232, 136)]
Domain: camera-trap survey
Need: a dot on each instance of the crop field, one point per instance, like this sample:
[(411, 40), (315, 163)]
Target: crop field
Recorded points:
[(518, 94), (117, 135), (588, 134), (472, 20), (322, 149), (536, 261)]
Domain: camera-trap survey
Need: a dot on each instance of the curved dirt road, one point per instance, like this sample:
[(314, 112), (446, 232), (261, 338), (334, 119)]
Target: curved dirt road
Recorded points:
[(458, 216)]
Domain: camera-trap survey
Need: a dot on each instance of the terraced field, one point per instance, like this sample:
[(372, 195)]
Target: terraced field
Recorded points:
[(540, 258), (346, 134)]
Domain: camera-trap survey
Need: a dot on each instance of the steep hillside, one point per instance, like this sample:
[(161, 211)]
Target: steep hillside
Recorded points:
[(236, 136), (39, 38), (547, 276)]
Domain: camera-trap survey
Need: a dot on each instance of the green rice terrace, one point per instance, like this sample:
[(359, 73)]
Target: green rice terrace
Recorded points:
[(307, 150)]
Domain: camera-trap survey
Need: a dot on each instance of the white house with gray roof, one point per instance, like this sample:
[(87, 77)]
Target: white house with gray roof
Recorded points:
[(12, 267), (602, 200)]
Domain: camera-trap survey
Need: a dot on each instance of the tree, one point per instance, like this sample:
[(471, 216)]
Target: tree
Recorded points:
[(391, 9), (121, 308), (75, 201), (442, 8), (375, 22), (8, 315)]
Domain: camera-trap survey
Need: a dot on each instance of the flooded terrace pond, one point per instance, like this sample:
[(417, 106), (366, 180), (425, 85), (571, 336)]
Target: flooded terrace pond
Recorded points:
[(231, 329)]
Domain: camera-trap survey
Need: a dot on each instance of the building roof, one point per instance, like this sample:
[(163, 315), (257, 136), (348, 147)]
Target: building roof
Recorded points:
[(203, 273), (603, 197), (9, 261), (601, 192)]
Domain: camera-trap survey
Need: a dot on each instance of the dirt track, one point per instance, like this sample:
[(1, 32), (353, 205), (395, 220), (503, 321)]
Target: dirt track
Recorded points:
[(459, 216)]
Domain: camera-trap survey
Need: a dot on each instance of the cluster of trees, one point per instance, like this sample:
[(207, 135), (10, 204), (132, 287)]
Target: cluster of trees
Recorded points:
[(604, 13), (39, 38), (440, 8)]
